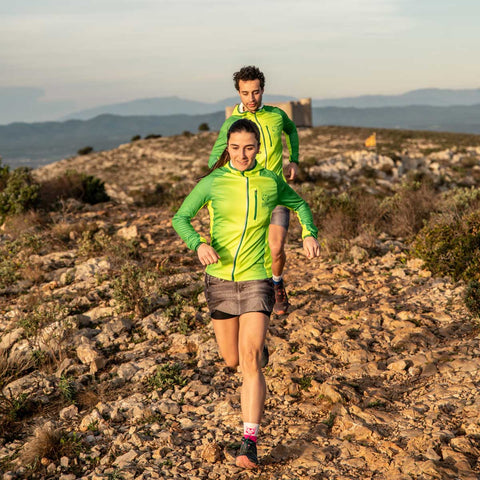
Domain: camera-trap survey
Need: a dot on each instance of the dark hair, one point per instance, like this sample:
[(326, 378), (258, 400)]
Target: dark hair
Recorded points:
[(248, 73), (242, 125)]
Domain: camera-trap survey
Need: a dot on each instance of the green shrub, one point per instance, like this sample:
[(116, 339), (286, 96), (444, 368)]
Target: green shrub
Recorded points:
[(136, 289), (94, 190), (450, 245), (85, 150), (203, 127), (166, 377), (14, 255), (152, 135), (404, 213), (72, 184), (18, 191), (135, 138), (68, 389), (472, 297)]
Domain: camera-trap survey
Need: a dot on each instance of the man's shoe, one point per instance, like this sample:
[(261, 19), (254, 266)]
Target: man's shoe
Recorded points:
[(265, 357), (281, 299), (247, 454)]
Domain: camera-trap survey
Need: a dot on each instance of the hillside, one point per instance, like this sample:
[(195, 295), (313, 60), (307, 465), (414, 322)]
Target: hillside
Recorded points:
[(37, 144), (108, 364)]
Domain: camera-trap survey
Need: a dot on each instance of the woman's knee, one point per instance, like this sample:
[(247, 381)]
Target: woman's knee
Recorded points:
[(250, 361), (231, 360)]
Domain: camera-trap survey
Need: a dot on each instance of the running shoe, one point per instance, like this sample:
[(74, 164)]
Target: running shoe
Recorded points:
[(281, 299), (265, 357), (247, 454)]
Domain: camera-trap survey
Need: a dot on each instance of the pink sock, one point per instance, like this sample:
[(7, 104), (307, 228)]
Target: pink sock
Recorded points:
[(250, 430)]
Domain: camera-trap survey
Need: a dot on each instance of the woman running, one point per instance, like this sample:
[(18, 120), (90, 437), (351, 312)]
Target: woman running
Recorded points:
[(240, 196)]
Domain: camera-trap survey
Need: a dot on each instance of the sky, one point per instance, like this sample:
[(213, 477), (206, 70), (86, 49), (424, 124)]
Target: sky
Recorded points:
[(72, 55)]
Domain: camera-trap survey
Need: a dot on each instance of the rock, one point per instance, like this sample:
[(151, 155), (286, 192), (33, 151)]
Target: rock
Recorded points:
[(123, 461), (89, 355), (9, 338), (211, 452), (92, 420), (68, 413), (358, 254), (128, 233)]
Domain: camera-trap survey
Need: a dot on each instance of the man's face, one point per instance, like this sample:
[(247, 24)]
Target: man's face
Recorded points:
[(250, 94)]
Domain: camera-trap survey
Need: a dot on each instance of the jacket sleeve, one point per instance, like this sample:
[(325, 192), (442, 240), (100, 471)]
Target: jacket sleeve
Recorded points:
[(291, 199), (291, 137), (181, 221)]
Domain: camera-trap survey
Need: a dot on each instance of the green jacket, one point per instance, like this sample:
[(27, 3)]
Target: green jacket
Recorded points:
[(271, 121), (240, 205)]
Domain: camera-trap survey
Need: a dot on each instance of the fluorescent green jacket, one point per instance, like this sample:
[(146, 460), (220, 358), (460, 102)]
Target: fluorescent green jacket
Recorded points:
[(271, 121), (240, 205)]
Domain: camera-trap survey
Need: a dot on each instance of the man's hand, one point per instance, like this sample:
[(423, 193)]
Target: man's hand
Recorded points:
[(311, 247), (291, 171), (207, 254)]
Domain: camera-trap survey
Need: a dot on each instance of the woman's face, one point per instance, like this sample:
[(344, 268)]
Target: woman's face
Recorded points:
[(243, 148)]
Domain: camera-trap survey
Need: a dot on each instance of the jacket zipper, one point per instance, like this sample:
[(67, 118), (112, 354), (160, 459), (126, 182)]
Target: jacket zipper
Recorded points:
[(263, 139), (255, 209), (269, 137), (243, 233)]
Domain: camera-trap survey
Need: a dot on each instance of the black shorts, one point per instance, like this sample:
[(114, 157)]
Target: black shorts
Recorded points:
[(280, 216)]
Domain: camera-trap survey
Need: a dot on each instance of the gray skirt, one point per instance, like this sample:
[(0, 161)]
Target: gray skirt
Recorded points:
[(236, 298)]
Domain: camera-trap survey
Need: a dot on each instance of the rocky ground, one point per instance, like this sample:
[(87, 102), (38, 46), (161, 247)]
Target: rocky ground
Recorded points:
[(373, 373)]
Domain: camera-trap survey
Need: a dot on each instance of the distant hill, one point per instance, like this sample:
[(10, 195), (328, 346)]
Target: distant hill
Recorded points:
[(426, 96), (36, 144), (176, 105), (165, 106), (27, 104), (465, 119)]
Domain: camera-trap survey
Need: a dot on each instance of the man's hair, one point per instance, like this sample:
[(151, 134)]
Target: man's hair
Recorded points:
[(248, 73)]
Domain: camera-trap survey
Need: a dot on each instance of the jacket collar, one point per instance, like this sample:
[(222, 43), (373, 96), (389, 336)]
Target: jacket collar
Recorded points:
[(241, 109), (245, 173)]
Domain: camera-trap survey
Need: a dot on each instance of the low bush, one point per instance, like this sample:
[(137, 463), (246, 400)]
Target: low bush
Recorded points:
[(85, 150), (137, 289), (450, 245), (404, 213), (166, 377), (72, 184), (14, 255), (18, 191), (472, 297)]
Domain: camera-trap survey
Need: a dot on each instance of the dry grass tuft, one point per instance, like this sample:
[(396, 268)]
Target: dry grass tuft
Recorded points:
[(28, 222), (45, 444), (49, 445)]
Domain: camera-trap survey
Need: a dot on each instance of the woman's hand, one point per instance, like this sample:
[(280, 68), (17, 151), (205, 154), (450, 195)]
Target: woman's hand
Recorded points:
[(207, 254), (311, 247)]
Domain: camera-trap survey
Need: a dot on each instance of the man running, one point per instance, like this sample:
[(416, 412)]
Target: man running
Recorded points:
[(272, 121)]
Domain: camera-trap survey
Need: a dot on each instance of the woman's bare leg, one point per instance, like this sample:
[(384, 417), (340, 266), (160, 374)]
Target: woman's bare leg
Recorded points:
[(226, 333), (252, 332)]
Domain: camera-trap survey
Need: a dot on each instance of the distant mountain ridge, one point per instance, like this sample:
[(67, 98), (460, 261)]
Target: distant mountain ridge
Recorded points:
[(161, 106), (435, 97), (27, 104), (36, 144)]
